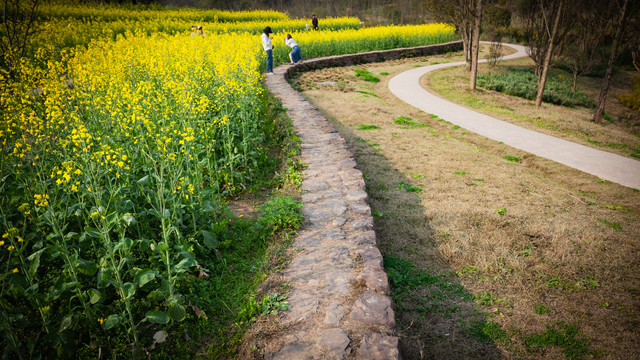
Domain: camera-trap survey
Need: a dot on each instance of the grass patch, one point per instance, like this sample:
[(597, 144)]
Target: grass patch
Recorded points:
[(408, 187), (611, 224), (512, 158), (405, 278), (566, 337), (367, 93), (487, 331), (245, 251), (367, 76), (368, 127), (409, 122), (524, 83), (542, 309)]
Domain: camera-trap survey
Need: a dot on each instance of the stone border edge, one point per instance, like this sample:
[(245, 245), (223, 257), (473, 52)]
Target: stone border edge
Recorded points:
[(371, 57)]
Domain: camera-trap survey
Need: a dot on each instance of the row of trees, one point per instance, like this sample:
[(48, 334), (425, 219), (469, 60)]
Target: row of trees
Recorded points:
[(579, 31)]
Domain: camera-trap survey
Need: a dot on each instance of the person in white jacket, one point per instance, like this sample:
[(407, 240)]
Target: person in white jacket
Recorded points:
[(268, 48), (295, 54)]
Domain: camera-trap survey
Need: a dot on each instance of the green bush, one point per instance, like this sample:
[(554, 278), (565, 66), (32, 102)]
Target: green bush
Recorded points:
[(279, 213), (524, 83)]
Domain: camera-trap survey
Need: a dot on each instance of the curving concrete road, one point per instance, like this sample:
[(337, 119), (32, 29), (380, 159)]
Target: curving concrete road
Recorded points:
[(605, 165)]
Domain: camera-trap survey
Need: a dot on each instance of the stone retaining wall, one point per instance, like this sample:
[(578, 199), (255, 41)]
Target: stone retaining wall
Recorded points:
[(372, 56), (339, 298)]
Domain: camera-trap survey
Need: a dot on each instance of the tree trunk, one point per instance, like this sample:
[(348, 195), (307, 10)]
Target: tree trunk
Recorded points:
[(476, 46), (599, 113), (547, 58), (465, 42)]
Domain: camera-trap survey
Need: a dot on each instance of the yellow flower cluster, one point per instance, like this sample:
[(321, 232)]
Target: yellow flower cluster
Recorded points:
[(41, 200), (321, 43), (110, 13), (11, 235)]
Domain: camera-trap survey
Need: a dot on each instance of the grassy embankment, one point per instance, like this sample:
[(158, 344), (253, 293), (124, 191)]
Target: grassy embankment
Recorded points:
[(492, 252)]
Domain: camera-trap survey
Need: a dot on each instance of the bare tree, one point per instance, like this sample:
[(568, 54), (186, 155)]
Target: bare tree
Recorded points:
[(459, 13), (476, 45), (545, 24), (18, 26), (619, 44), (582, 49), (549, 52)]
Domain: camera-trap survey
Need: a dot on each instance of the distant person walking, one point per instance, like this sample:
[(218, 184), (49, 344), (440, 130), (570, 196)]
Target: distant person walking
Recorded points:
[(268, 48), (314, 22), (295, 54)]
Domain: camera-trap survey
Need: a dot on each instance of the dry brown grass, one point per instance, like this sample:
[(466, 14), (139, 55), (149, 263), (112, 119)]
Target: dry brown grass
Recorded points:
[(566, 240)]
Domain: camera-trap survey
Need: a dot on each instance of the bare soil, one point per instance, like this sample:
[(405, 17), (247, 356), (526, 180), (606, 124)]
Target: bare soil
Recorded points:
[(535, 245)]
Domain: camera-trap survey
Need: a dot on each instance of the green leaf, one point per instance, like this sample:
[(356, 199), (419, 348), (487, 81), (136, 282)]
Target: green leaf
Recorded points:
[(128, 290), (93, 232), (124, 245), (105, 278), (209, 240), (94, 296), (144, 276), (129, 220), (157, 317), (66, 322), (87, 267), (144, 180), (177, 312), (34, 261), (185, 263), (111, 321), (70, 285), (154, 212)]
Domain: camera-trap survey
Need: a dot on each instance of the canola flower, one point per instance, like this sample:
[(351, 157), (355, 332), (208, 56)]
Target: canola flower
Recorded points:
[(61, 33), (107, 13), (348, 41), (114, 148)]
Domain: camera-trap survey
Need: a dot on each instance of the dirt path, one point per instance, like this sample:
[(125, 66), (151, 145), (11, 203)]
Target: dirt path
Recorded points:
[(612, 167)]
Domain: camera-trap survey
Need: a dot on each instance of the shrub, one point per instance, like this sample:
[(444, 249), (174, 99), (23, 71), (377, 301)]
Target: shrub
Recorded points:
[(524, 83), (632, 100), (279, 213)]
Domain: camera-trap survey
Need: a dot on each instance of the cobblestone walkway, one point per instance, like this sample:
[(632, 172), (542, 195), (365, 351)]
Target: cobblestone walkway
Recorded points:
[(340, 304)]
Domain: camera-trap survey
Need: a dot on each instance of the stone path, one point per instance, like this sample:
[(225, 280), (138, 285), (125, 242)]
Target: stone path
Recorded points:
[(339, 298), (605, 165)]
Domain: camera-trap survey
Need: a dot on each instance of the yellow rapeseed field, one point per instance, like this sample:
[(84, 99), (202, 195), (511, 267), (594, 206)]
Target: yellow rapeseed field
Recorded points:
[(118, 138)]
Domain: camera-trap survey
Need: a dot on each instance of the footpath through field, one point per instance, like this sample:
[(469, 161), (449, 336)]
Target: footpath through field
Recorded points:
[(605, 165)]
